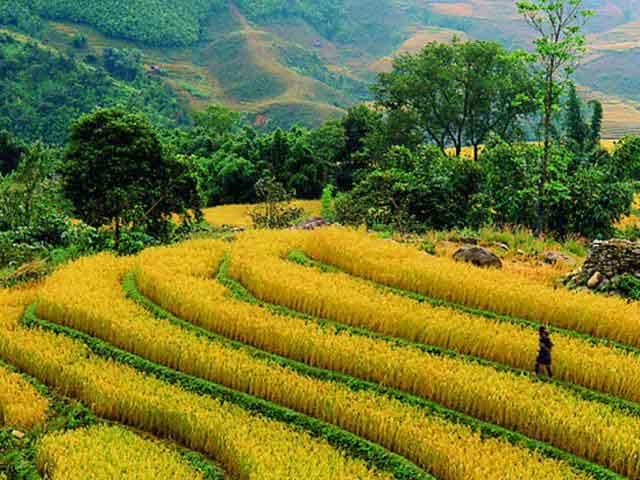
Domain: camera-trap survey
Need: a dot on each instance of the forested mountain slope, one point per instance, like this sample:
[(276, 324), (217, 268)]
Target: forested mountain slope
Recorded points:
[(282, 61)]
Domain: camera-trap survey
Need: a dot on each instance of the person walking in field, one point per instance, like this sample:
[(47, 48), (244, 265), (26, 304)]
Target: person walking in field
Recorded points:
[(544, 352)]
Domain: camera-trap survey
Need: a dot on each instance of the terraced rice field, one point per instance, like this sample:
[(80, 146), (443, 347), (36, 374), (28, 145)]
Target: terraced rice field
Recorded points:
[(325, 354)]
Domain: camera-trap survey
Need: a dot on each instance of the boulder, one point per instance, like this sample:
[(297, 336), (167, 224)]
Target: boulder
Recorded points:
[(312, 224), (595, 281), (478, 256)]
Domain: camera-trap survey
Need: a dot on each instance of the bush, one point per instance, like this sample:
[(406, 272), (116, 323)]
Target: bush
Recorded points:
[(629, 287), (124, 64), (276, 210), (584, 198), (328, 211), (625, 160), (413, 191)]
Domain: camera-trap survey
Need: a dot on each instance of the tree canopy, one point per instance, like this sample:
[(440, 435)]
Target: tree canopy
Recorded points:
[(460, 92), (118, 172)]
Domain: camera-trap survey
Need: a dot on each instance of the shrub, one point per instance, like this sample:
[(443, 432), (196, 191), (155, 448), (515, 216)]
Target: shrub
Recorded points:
[(276, 210), (328, 211)]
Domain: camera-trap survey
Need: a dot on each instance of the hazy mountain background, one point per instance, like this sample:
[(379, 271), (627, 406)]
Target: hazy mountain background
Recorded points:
[(281, 61)]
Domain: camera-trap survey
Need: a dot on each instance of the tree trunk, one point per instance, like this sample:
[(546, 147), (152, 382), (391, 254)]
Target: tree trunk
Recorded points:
[(544, 167)]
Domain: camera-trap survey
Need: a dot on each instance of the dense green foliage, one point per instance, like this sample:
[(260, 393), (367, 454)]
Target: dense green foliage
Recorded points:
[(155, 22), (118, 173), (584, 198), (418, 188), (11, 151), (474, 88), (413, 190), (583, 136), (18, 14), (43, 91), (231, 157)]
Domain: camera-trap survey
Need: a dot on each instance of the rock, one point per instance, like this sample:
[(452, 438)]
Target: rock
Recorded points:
[(501, 245), (478, 256), (18, 434), (552, 258), (311, 224), (595, 280)]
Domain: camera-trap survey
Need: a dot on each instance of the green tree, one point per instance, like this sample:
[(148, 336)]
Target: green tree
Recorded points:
[(596, 122), (117, 173), (31, 199), (125, 64), (460, 92), (358, 123), (226, 178), (558, 48), (576, 128)]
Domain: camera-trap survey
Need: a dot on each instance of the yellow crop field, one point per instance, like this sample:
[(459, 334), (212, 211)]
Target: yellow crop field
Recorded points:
[(430, 442), (21, 405), (247, 445), (507, 399), (508, 294), (238, 215), (342, 298), (274, 369), (105, 453)]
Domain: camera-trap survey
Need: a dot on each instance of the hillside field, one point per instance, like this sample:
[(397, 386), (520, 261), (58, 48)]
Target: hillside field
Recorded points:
[(284, 63), (324, 354)]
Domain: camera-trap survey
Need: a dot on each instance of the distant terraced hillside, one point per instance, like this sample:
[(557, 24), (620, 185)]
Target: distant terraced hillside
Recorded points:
[(609, 72), (287, 62)]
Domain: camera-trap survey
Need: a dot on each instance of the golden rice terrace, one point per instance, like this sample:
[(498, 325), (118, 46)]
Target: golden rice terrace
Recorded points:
[(326, 354)]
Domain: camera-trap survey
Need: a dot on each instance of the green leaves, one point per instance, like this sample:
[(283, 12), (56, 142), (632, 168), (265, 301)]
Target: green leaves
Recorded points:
[(154, 22), (460, 92)]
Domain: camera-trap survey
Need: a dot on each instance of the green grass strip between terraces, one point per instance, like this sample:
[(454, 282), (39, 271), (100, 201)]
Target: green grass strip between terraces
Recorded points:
[(242, 293), (301, 258), (486, 429), (18, 455), (353, 445)]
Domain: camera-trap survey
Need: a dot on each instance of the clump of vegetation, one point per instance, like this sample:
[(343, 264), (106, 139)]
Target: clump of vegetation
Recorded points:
[(275, 209), (328, 212), (40, 97), (629, 287), (118, 173), (155, 22)]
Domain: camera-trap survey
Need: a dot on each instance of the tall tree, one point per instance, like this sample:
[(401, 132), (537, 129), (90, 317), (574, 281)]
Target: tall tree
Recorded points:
[(558, 47), (596, 121), (576, 129), (461, 92), (359, 122), (117, 172)]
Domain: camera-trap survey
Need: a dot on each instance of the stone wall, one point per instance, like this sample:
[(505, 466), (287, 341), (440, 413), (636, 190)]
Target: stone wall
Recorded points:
[(607, 262)]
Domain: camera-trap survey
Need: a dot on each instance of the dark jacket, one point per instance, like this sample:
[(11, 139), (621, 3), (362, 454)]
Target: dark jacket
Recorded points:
[(544, 354)]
